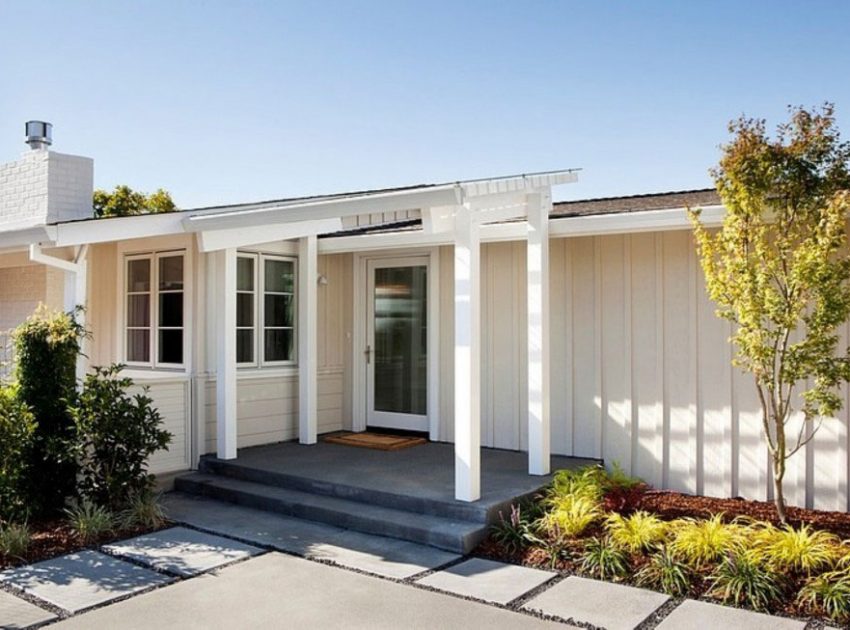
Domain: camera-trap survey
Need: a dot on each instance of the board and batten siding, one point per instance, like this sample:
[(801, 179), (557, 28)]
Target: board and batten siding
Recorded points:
[(641, 371)]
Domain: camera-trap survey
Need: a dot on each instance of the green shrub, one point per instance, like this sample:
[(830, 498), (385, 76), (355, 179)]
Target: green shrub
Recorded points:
[(741, 579), (638, 532), (666, 573), (699, 542), (114, 434), (14, 540), (603, 560), (829, 594), (803, 549), (144, 510), (17, 433), (46, 348), (90, 521)]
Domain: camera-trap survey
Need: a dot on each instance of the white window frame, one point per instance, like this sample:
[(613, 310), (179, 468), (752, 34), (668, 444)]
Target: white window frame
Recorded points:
[(153, 348), (259, 361)]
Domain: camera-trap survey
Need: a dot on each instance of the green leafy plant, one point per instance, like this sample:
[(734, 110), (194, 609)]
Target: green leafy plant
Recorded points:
[(17, 435), (114, 434), (14, 539), (664, 572), (741, 579), (587, 482), (803, 549), (124, 201), (90, 521), (512, 533), (144, 510), (572, 515), (702, 541), (637, 532), (46, 347), (779, 270), (829, 594), (603, 560)]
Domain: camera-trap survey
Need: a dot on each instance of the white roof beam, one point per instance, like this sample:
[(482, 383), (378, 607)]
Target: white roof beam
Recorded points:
[(214, 240)]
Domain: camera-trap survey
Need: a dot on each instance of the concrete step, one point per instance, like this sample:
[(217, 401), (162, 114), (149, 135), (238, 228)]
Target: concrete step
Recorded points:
[(457, 535), (474, 512)]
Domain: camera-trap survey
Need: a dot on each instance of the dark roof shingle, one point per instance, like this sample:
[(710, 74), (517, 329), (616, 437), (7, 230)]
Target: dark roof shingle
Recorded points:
[(637, 203)]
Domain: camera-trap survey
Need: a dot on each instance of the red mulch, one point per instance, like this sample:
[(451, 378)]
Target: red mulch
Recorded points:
[(55, 538), (670, 505)]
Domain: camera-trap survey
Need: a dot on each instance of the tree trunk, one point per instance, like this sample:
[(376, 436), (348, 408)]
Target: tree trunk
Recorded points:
[(778, 494)]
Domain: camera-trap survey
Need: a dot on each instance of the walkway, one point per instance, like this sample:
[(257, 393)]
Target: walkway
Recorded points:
[(235, 567)]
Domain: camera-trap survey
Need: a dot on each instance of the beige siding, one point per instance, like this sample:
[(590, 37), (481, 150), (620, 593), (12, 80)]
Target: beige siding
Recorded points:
[(171, 398)]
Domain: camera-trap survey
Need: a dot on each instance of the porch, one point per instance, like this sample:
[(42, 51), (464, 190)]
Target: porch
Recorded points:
[(407, 494)]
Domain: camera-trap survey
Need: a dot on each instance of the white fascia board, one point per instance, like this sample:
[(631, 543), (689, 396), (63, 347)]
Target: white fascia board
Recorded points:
[(24, 237), (118, 228), (518, 183), (214, 240), (646, 221), (326, 209), (649, 221)]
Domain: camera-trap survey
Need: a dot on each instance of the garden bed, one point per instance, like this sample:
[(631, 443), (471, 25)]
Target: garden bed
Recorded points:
[(50, 539), (731, 551)]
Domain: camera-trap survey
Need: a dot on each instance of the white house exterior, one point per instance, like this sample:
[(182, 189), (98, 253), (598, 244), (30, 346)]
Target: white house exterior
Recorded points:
[(477, 312)]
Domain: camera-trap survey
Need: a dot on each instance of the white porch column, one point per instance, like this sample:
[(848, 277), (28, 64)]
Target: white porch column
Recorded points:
[(76, 286), (538, 208), (467, 357), (308, 274), (225, 385)]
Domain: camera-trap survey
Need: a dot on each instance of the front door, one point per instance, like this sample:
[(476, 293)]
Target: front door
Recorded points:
[(397, 344)]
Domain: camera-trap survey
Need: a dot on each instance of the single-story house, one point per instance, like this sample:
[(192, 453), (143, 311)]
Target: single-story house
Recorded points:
[(479, 313)]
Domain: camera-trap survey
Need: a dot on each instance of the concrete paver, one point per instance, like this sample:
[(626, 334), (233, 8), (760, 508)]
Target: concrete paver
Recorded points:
[(16, 613), (706, 616), (182, 551), (78, 581), (611, 606), (487, 580), (276, 590)]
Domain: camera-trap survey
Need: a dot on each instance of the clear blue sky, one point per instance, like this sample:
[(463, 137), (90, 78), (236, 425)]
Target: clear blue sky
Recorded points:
[(223, 102)]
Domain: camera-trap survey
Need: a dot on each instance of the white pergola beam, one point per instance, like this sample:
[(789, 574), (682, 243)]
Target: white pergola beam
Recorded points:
[(308, 274), (539, 206), (467, 390), (225, 385), (214, 240)]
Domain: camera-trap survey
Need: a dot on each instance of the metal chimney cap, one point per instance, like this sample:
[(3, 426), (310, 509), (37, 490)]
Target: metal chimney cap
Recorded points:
[(39, 134)]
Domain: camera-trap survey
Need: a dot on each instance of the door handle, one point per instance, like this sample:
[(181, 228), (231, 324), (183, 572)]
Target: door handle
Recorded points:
[(368, 353)]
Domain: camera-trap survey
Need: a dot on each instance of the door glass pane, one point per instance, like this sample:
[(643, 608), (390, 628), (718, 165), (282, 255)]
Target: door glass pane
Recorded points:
[(401, 340)]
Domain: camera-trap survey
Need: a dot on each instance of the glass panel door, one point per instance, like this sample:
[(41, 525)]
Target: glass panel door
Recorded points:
[(398, 345)]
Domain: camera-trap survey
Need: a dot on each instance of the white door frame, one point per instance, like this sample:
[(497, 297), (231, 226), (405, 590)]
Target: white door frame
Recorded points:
[(360, 396)]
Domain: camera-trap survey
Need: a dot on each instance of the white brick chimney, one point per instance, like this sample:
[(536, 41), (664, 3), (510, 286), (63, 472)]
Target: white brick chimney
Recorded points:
[(45, 187)]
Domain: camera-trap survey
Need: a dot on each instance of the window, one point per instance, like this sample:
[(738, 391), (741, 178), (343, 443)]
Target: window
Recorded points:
[(265, 310), (154, 315)]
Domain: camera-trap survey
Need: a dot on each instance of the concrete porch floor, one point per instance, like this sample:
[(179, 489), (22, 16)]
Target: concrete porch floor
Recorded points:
[(425, 472)]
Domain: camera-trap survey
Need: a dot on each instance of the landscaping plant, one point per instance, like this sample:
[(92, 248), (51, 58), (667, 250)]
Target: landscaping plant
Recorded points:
[(666, 573), (114, 434), (829, 594), (14, 539), (803, 549), (90, 521), (513, 532), (47, 346), (741, 579), (637, 532), (17, 434), (779, 270), (603, 560), (702, 541), (144, 510)]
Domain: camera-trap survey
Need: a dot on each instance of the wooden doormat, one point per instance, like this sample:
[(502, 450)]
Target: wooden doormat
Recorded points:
[(379, 441)]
